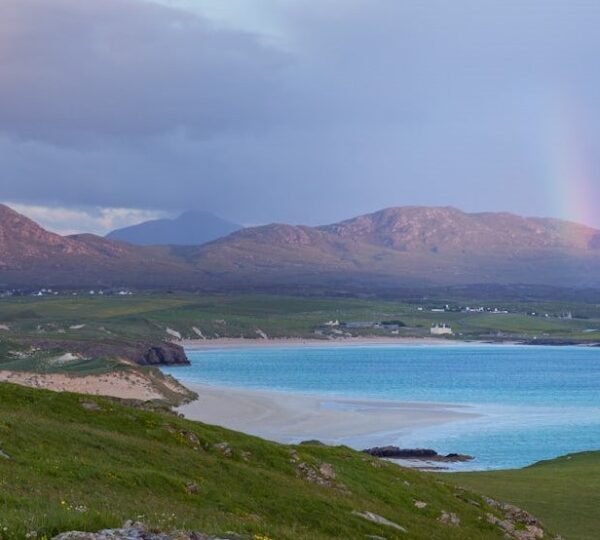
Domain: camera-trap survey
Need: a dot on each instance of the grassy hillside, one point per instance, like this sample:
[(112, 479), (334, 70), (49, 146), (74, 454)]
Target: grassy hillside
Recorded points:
[(70, 461), (564, 493)]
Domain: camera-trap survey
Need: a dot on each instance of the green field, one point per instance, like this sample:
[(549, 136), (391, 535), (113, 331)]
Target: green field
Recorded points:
[(77, 462), (148, 316), (564, 493)]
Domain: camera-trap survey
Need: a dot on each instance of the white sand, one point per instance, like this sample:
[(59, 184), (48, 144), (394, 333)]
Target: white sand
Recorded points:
[(287, 417), (225, 343)]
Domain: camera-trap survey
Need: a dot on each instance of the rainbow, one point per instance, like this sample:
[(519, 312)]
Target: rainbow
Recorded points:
[(574, 190)]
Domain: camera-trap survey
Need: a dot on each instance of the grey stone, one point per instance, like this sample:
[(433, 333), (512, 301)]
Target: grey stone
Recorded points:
[(224, 448), (136, 531), (327, 471), (449, 518)]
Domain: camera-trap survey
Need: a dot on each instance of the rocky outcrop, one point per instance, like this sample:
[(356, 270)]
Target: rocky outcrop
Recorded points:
[(516, 523), (224, 448), (322, 474), (163, 354), (138, 531), (423, 454), (449, 518)]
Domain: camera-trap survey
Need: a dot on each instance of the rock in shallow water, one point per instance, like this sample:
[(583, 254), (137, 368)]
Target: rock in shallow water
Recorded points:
[(424, 454)]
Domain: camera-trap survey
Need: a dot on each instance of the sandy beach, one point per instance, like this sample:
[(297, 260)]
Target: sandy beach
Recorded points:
[(291, 418), (225, 343)]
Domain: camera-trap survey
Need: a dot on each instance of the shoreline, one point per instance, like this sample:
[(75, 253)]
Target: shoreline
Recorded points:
[(287, 417), (226, 343), (362, 341)]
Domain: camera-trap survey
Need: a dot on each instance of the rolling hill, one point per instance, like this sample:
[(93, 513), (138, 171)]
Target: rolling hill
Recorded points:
[(30, 256), (392, 248)]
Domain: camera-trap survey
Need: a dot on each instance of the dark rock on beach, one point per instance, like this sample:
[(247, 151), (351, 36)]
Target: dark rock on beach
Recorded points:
[(424, 454)]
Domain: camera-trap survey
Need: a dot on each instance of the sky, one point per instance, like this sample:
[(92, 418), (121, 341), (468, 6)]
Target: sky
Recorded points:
[(297, 111)]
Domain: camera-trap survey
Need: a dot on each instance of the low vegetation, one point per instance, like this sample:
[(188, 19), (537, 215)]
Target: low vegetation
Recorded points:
[(564, 493), (120, 320), (69, 461)]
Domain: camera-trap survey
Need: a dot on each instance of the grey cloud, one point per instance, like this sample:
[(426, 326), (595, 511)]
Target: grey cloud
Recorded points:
[(73, 68), (364, 104)]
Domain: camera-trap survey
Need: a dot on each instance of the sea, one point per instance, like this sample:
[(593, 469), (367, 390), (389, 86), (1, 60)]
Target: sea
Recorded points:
[(533, 402)]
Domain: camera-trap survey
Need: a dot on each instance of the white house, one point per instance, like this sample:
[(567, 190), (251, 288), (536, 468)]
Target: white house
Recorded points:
[(441, 330)]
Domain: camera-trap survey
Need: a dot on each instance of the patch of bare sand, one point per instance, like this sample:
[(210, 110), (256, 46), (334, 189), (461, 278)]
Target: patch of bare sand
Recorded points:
[(121, 385)]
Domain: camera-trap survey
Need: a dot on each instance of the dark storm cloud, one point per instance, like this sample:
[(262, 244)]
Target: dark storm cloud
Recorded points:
[(117, 68), (350, 106)]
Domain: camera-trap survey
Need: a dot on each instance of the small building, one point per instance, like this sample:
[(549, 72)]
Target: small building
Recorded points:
[(441, 330), (357, 324)]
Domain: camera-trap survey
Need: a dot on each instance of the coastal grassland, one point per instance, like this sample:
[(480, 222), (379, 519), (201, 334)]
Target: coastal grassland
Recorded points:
[(51, 360), (116, 319), (564, 492), (78, 462)]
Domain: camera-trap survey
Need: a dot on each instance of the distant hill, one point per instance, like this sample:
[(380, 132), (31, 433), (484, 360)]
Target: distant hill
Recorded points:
[(411, 246), (191, 228), (390, 249), (30, 256)]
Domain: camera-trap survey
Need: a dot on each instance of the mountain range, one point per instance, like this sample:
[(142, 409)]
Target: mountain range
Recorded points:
[(191, 228), (392, 248)]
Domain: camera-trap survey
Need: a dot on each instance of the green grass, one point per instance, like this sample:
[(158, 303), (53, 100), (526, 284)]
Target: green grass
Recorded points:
[(73, 467), (48, 361), (147, 316), (564, 493)]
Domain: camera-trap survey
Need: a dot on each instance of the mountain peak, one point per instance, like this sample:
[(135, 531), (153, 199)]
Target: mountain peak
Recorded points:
[(21, 239), (193, 227), (8, 214), (14, 226)]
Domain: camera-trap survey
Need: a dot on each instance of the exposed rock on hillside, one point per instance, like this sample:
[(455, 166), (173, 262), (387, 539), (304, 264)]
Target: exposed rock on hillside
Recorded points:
[(137, 531)]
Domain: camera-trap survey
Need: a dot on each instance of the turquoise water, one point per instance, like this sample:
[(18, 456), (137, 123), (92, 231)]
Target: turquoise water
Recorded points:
[(536, 402)]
